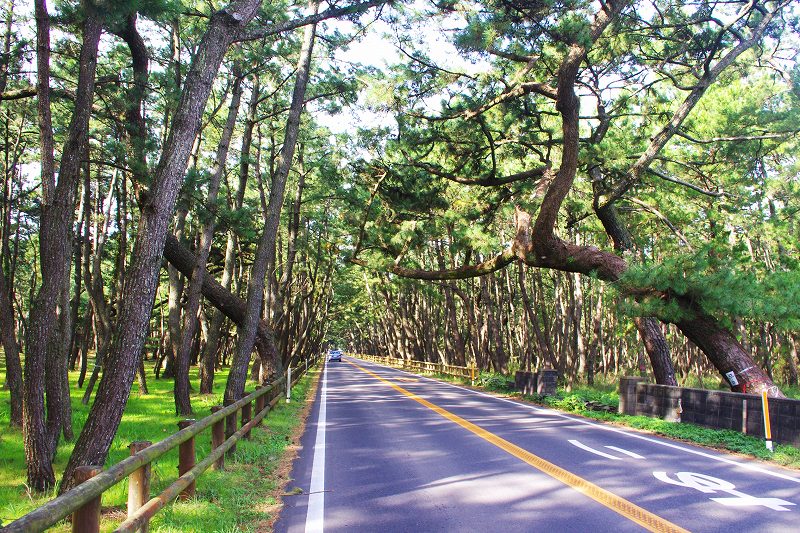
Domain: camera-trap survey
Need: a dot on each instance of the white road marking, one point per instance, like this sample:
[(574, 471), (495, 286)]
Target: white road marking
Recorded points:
[(626, 452), (710, 485), (582, 446), (315, 514), (745, 466)]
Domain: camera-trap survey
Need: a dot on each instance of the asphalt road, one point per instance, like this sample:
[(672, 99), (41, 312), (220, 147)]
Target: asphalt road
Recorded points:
[(387, 451)]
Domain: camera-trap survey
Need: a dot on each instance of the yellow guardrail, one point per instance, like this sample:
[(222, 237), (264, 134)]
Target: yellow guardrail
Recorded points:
[(467, 372)]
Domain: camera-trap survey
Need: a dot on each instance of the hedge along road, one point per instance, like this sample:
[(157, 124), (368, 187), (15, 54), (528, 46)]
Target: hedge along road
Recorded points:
[(390, 451)]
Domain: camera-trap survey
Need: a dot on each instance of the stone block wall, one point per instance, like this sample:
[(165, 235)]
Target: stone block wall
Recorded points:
[(710, 408), (543, 382)]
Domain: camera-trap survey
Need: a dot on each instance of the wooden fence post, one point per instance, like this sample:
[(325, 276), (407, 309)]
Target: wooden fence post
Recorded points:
[(139, 484), (230, 428), (247, 415), (260, 403), (218, 437), (87, 518), (186, 459)]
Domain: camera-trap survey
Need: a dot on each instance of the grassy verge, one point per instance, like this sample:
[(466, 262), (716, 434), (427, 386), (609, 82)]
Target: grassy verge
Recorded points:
[(234, 500), (589, 402)]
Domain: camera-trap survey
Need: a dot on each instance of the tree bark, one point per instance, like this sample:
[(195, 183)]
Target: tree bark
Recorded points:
[(183, 404), (48, 325), (142, 276), (265, 253), (11, 349)]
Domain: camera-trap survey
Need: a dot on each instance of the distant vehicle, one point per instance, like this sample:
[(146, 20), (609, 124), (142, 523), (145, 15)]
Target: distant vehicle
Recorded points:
[(335, 355)]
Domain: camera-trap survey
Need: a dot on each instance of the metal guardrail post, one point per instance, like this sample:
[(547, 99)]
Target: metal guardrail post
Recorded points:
[(86, 519), (139, 483), (186, 459), (247, 414)]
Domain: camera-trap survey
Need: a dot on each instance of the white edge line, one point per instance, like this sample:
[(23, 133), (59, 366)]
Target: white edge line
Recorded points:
[(315, 513), (582, 446), (667, 444)]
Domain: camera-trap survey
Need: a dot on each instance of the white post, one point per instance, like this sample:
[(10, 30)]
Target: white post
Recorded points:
[(289, 384)]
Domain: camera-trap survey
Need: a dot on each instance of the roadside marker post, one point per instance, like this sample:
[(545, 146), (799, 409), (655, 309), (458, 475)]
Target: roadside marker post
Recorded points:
[(473, 374), (289, 384), (767, 427)]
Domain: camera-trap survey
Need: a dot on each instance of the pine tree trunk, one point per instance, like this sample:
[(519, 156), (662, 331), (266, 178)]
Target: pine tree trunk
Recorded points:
[(210, 353), (654, 342), (11, 349), (142, 275), (264, 261), (45, 355), (183, 404)]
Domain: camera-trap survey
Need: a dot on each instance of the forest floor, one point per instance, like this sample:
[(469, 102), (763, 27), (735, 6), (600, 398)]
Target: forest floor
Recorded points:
[(239, 499)]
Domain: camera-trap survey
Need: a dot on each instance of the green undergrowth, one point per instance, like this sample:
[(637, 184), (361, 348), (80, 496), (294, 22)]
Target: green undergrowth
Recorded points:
[(234, 500), (601, 402)]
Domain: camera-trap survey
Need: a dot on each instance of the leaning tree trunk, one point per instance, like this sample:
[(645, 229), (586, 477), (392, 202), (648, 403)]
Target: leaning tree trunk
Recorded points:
[(183, 404), (228, 303), (726, 353), (265, 253), (48, 324), (209, 356), (141, 279)]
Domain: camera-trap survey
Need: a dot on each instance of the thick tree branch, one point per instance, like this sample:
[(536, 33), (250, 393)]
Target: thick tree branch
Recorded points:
[(274, 29), (568, 105)]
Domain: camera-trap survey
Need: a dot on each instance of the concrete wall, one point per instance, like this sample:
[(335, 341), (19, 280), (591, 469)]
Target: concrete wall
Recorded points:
[(710, 408)]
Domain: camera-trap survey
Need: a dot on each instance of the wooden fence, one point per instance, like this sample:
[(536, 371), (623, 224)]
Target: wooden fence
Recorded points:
[(83, 501), (467, 372)]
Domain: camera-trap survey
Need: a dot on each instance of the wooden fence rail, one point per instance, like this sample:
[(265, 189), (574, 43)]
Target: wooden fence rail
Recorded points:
[(86, 496), (468, 372)]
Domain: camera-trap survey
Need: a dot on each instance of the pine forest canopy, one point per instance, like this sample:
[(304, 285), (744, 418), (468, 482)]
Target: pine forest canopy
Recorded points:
[(582, 185)]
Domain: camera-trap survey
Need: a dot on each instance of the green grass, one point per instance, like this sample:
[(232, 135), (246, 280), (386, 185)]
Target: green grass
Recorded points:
[(233, 500)]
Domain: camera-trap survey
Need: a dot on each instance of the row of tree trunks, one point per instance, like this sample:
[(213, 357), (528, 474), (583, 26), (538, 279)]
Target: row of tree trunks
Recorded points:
[(49, 328), (212, 345), (142, 275), (182, 401), (264, 262)]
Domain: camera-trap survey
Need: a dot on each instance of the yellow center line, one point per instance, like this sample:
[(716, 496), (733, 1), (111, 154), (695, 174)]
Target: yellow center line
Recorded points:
[(620, 505)]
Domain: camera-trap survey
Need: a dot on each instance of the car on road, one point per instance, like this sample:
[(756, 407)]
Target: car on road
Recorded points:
[(335, 355)]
